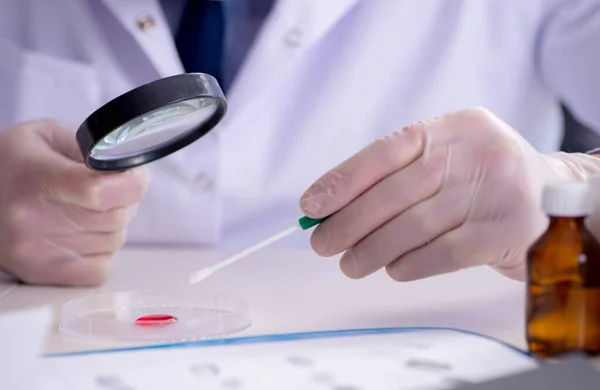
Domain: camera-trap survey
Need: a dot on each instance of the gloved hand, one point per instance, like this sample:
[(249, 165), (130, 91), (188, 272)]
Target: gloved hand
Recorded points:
[(449, 193), (60, 222)]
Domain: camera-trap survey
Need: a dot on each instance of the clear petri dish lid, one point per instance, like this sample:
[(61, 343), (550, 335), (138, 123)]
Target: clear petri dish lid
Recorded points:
[(157, 317)]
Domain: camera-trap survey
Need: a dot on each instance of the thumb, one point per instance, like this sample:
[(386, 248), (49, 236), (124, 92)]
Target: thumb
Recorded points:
[(61, 138), (65, 179), (60, 171)]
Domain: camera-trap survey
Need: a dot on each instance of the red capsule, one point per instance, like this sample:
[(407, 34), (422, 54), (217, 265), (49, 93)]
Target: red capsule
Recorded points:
[(156, 320)]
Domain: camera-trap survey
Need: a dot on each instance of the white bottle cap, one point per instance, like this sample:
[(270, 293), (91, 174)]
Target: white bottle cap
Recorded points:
[(594, 184), (567, 198)]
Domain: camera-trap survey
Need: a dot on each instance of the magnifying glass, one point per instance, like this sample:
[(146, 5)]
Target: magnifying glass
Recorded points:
[(151, 122)]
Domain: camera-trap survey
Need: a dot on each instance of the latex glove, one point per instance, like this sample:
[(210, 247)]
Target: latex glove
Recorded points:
[(450, 193), (60, 222)]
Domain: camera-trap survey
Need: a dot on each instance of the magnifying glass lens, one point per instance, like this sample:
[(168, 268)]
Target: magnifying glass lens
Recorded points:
[(151, 121), (154, 129)]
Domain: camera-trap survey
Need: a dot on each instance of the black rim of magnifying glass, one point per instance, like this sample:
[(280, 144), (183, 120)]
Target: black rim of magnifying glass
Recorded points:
[(140, 101)]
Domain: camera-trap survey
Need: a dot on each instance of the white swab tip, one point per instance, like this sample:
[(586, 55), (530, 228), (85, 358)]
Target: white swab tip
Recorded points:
[(199, 276), (206, 272)]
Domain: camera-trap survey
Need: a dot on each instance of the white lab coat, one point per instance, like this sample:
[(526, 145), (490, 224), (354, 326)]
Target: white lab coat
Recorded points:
[(325, 78)]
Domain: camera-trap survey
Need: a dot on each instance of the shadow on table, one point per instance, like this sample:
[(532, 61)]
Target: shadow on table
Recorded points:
[(496, 316)]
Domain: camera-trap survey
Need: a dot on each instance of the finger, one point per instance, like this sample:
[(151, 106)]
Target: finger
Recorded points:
[(56, 218), (354, 176), (467, 246), (84, 244), (72, 246), (410, 230), (77, 186), (61, 138), (66, 260), (82, 220), (384, 201), (77, 272), (65, 179)]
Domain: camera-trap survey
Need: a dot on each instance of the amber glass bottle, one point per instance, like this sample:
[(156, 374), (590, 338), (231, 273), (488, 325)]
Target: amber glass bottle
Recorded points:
[(563, 277)]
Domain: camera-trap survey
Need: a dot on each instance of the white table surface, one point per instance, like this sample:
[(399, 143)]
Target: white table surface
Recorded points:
[(298, 291)]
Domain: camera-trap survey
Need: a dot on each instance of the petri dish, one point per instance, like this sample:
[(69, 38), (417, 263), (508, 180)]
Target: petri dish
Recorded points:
[(141, 316)]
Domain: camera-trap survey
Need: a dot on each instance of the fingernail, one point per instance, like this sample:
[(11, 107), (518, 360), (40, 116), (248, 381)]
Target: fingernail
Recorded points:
[(63, 124), (144, 174), (349, 265), (132, 212), (122, 188), (141, 173), (321, 241), (313, 205), (109, 194), (98, 271), (400, 271)]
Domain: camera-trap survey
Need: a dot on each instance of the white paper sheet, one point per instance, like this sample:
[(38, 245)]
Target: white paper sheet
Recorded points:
[(432, 359), (23, 335)]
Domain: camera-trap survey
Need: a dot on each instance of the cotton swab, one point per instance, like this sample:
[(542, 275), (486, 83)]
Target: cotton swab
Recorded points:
[(303, 223)]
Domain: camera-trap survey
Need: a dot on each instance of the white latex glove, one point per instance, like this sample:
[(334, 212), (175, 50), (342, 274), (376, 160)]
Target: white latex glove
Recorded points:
[(60, 222), (449, 193)]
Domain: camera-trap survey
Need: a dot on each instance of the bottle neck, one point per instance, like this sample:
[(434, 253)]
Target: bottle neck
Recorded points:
[(567, 222)]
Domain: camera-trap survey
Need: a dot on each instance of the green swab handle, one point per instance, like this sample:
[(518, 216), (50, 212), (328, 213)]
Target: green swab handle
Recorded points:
[(306, 222)]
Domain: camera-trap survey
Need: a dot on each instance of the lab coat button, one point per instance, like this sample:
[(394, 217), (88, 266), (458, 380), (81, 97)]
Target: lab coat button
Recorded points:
[(145, 22), (293, 38)]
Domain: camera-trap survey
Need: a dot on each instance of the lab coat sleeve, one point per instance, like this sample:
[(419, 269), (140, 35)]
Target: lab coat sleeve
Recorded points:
[(568, 56)]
